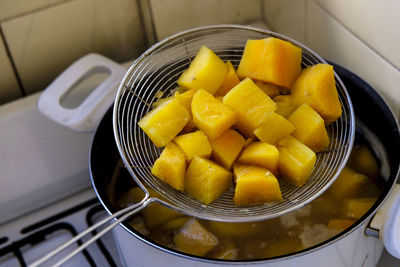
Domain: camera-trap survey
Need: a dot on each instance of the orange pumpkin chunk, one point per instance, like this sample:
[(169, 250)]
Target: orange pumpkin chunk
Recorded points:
[(316, 87), (207, 71), (274, 128), (211, 115), (227, 147), (296, 160), (194, 239), (170, 167), (230, 81), (270, 60), (164, 122), (284, 104), (256, 185), (205, 180), (270, 89), (309, 128), (261, 154), (194, 144), (251, 105)]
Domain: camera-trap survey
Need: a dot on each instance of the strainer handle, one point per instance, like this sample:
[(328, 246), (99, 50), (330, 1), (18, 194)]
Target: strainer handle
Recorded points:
[(122, 214)]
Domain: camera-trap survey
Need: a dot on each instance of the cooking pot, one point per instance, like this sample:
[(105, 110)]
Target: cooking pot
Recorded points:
[(358, 245)]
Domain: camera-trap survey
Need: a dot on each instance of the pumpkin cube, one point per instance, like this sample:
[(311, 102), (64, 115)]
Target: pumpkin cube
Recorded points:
[(355, 208), (170, 167), (211, 115), (235, 230), (270, 60), (230, 81), (173, 224), (194, 144), (156, 214), (270, 89), (207, 71), (316, 87), (256, 185), (363, 161), (340, 224), (348, 183), (227, 147), (261, 154), (309, 128), (274, 128), (206, 181), (194, 239), (185, 98), (164, 122), (296, 160), (284, 104), (251, 105)]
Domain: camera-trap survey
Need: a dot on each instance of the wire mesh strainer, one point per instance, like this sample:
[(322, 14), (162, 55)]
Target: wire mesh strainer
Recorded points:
[(155, 73)]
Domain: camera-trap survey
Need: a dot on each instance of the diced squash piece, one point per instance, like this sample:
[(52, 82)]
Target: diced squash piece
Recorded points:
[(285, 107), (316, 87), (309, 128), (173, 224), (270, 60), (185, 98), (355, 208), (207, 71), (164, 122), (270, 89), (363, 161), (248, 141), (194, 144), (296, 160), (348, 184), (234, 230), (230, 81), (340, 223), (206, 181), (261, 154), (170, 167), (156, 214), (194, 239), (239, 169), (211, 115), (256, 185), (228, 252), (159, 101), (138, 224), (251, 105), (274, 128), (227, 147), (189, 127)]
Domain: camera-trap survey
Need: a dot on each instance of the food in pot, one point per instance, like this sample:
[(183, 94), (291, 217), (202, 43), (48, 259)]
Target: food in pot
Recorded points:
[(219, 111), (308, 226)]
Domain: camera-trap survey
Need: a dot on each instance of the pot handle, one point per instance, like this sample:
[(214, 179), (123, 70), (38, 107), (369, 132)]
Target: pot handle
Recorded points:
[(87, 115), (386, 222)]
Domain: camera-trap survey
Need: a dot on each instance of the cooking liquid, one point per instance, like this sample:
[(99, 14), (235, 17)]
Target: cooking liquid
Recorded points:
[(317, 222)]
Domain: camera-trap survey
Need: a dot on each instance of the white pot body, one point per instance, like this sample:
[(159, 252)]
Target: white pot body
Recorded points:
[(353, 249)]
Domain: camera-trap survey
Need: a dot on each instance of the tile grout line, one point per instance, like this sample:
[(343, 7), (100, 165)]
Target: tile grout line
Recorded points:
[(355, 35), (13, 66), (38, 9)]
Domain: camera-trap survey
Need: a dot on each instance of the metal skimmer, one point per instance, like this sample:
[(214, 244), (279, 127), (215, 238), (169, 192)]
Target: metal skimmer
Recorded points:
[(155, 73)]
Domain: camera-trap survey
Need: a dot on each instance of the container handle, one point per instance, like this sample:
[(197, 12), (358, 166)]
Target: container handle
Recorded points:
[(87, 115), (386, 222)]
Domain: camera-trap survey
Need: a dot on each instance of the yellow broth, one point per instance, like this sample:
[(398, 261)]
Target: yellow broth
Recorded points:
[(331, 213)]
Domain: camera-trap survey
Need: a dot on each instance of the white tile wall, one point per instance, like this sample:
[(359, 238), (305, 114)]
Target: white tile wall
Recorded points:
[(44, 43), (9, 89), (13, 8), (171, 16), (377, 23), (286, 17), (333, 41)]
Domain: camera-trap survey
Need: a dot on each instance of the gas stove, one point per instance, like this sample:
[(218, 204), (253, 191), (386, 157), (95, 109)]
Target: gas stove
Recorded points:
[(46, 196)]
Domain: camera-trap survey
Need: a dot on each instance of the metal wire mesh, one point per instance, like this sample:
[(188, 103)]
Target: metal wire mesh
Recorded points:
[(157, 71)]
